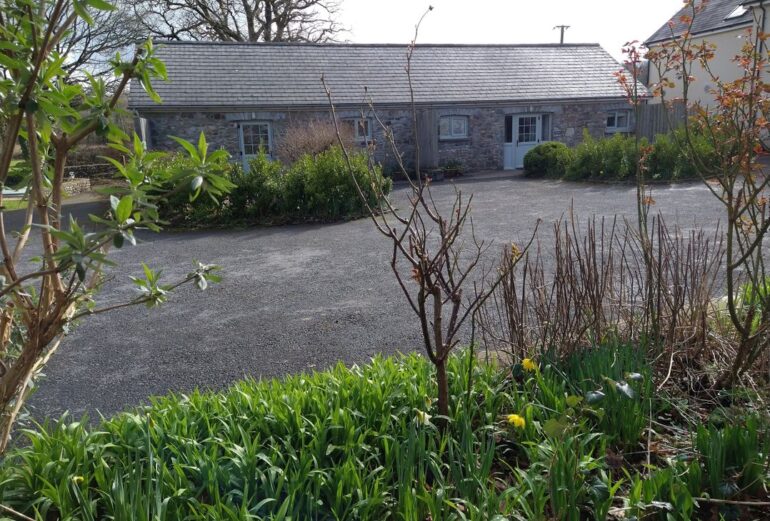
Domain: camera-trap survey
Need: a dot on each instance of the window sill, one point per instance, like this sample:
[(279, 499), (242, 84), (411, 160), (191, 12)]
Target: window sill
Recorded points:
[(453, 139), (617, 130)]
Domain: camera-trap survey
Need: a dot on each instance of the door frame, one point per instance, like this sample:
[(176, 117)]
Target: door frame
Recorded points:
[(246, 157), (513, 159)]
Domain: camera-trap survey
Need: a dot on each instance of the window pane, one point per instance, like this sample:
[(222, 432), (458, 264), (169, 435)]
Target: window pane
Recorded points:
[(256, 137), (459, 126), (622, 120), (546, 127), (509, 129), (444, 129), (611, 120), (527, 129), (362, 129)]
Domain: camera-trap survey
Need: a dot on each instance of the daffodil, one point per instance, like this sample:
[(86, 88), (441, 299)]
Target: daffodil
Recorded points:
[(517, 421), (423, 418), (529, 365)]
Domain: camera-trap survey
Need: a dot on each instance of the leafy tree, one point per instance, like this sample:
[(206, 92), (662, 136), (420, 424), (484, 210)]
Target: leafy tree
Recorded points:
[(44, 294), (240, 20)]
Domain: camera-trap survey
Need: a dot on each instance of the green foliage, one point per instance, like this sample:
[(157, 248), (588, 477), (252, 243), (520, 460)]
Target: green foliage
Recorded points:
[(753, 299), (609, 159), (349, 443), (48, 115), (260, 192), (733, 456), (360, 443), (18, 174), (616, 384), (667, 161), (615, 158), (184, 207), (317, 187), (549, 159)]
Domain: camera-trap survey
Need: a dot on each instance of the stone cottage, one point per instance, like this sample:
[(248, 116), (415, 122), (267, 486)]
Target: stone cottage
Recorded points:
[(482, 106)]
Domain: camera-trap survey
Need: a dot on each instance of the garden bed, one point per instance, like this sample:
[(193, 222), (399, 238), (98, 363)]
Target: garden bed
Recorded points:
[(584, 438)]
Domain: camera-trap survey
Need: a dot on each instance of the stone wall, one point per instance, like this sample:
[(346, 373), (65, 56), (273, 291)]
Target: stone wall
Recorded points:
[(76, 186), (482, 149)]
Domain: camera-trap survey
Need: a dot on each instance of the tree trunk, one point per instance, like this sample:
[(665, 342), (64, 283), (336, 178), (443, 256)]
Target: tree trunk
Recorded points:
[(443, 390), (268, 21)]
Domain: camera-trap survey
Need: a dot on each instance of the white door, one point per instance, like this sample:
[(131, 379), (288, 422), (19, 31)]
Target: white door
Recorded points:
[(528, 130), (254, 136)]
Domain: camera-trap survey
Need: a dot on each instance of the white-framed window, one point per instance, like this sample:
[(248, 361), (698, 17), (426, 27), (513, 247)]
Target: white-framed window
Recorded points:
[(363, 129), (256, 136), (453, 127), (618, 121)]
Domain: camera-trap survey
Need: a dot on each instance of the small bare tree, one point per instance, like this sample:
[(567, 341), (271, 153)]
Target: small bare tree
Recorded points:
[(435, 254), (310, 137)]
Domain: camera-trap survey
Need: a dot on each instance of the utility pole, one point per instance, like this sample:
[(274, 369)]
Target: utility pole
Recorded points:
[(563, 28)]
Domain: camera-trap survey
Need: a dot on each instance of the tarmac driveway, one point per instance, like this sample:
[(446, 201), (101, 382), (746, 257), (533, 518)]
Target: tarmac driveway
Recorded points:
[(293, 298)]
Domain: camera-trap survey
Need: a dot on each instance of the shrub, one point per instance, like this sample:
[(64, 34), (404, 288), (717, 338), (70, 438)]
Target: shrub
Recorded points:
[(667, 160), (615, 158), (180, 207), (609, 159), (18, 174), (587, 160), (259, 192), (330, 192), (549, 159), (88, 154), (315, 187)]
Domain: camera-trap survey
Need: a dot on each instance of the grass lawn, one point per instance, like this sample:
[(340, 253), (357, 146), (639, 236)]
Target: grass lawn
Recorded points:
[(16, 203)]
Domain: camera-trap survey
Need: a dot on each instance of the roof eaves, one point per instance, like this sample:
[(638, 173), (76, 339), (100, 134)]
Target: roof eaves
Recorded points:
[(721, 29), (379, 106), (368, 45)]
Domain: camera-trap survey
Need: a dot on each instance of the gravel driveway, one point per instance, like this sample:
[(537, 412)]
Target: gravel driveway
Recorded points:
[(293, 298)]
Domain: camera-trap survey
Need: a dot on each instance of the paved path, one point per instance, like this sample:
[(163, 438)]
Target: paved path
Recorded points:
[(294, 298)]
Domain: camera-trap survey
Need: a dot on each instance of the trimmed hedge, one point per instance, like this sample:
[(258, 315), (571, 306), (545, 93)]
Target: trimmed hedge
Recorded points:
[(615, 158)]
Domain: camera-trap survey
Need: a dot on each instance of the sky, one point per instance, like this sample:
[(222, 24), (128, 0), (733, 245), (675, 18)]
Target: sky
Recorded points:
[(610, 23)]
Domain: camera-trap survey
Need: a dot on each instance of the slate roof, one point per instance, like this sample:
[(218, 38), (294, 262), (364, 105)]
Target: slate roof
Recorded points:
[(256, 75), (713, 17)]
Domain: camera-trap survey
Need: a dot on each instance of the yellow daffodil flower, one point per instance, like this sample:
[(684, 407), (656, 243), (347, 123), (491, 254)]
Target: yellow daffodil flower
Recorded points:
[(517, 421), (529, 365)]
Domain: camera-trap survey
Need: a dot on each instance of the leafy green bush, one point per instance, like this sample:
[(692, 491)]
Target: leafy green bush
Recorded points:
[(549, 159), (609, 159), (617, 381), (316, 187), (615, 158), (179, 207), (667, 162), (259, 192), (18, 172)]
